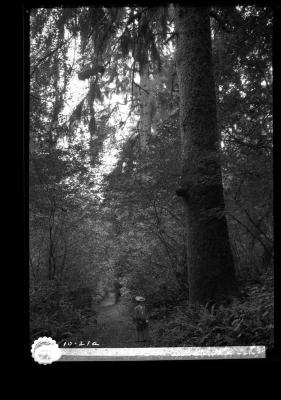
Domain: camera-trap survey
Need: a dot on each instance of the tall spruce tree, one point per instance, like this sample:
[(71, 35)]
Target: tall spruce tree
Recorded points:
[(210, 263)]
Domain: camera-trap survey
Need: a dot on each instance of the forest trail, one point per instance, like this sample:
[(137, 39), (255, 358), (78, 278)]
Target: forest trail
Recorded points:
[(115, 327)]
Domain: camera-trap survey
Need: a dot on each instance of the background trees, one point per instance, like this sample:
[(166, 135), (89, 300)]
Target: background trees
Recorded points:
[(103, 81)]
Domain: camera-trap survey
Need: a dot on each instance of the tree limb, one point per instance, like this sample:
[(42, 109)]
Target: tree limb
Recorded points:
[(257, 226), (248, 230), (49, 54), (140, 87)]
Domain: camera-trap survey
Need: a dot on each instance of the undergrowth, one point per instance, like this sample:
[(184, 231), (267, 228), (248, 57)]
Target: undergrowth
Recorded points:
[(244, 322), (53, 314)]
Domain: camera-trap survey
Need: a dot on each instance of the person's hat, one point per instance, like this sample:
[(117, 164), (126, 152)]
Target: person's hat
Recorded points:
[(139, 298)]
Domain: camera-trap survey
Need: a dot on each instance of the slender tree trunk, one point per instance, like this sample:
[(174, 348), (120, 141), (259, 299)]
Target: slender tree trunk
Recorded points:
[(211, 271), (145, 117)]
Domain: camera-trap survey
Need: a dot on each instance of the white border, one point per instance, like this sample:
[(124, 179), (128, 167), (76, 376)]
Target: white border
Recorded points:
[(161, 353)]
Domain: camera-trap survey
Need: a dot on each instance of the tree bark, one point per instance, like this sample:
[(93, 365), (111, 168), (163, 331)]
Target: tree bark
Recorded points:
[(211, 270)]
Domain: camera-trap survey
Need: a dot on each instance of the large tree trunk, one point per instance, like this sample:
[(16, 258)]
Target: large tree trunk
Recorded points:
[(210, 263)]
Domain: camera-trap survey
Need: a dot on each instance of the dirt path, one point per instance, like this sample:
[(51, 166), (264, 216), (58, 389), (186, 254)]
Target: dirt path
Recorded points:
[(114, 324)]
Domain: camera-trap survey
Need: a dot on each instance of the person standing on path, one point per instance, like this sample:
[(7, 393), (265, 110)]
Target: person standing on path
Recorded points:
[(140, 318)]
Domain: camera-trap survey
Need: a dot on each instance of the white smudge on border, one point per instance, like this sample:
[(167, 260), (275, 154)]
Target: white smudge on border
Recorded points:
[(162, 353)]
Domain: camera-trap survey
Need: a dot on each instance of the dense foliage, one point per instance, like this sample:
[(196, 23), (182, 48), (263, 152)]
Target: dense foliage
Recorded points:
[(246, 322)]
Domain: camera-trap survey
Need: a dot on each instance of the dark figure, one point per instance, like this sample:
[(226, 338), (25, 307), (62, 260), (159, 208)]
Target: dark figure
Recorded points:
[(141, 319)]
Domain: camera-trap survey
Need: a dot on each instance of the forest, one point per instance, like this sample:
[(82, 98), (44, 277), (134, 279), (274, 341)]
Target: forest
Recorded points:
[(150, 174)]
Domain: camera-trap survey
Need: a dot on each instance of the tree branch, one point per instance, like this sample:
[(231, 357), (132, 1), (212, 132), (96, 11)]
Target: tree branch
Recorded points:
[(141, 87), (248, 230), (171, 37), (257, 226), (49, 54)]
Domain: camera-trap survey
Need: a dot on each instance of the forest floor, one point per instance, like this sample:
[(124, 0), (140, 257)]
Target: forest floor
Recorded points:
[(115, 327)]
